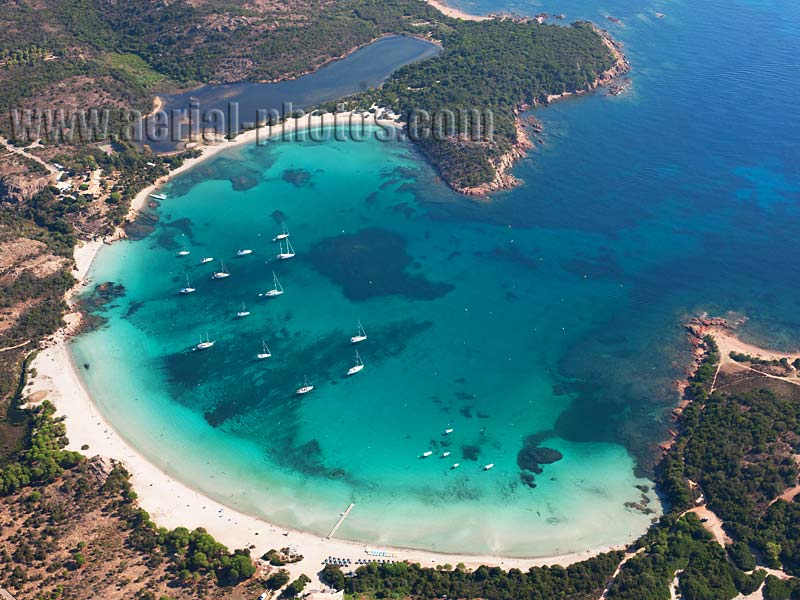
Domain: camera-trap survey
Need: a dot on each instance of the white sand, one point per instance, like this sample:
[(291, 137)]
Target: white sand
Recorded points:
[(454, 12), (172, 503)]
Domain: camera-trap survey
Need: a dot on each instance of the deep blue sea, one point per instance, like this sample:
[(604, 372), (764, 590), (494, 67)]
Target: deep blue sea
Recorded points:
[(548, 318)]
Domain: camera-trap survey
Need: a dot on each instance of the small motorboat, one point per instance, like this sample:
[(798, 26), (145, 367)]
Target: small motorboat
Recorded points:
[(244, 252)]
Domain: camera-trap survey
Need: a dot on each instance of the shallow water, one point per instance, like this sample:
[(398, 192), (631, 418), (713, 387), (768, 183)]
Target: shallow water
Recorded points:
[(553, 311), (246, 103)]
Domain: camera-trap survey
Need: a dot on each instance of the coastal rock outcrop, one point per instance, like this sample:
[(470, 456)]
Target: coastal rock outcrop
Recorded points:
[(503, 179)]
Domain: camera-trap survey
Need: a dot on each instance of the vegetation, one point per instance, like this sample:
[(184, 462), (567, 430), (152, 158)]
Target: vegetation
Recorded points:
[(700, 382), (583, 580), (492, 68), (44, 458), (754, 360), (190, 558), (684, 546)]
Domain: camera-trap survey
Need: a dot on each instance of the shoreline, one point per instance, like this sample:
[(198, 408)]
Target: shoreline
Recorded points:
[(503, 179), (455, 13), (210, 148), (172, 503)]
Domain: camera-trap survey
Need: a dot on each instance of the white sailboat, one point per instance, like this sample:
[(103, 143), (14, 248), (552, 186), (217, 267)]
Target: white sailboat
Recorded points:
[(243, 313), (489, 466), (358, 366), (188, 289), (445, 454), (265, 352), (158, 196), (205, 344), (206, 260), (289, 251), (426, 454), (222, 273), (448, 431), (360, 336), (305, 388), (184, 251), (243, 252), (455, 465), (276, 290), (283, 234)]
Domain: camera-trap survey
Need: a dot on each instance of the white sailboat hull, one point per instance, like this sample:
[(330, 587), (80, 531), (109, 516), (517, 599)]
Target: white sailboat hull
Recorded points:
[(243, 252), (272, 294), (188, 290), (355, 369), (357, 339), (206, 260), (305, 389), (220, 275), (205, 345), (263, 355)]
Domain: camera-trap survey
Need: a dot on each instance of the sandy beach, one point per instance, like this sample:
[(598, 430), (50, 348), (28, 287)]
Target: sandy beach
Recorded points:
[(172, 503), (454, 12), (214, 145)]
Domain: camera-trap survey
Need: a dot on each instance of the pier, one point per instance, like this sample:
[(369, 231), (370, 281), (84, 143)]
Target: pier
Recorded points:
[(345, 514)]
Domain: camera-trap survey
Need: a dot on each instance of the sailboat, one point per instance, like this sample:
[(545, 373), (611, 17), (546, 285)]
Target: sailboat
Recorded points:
[(184, 251), (222, 273), (289, 251), (188, 289), (305, 388), (243, 252), (205, 345), (448, 431), (277, 289), (243, 313), (489, 466), (206, 260), (283, 234), (158, 196), (360, 336), (358, 366), (265, 353), (445, 454)]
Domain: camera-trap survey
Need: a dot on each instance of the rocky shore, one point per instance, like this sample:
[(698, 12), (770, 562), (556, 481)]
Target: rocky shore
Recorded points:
[(503, 178)]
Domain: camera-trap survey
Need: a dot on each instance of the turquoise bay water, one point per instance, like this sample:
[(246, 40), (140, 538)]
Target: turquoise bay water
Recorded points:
[(554, 311)]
